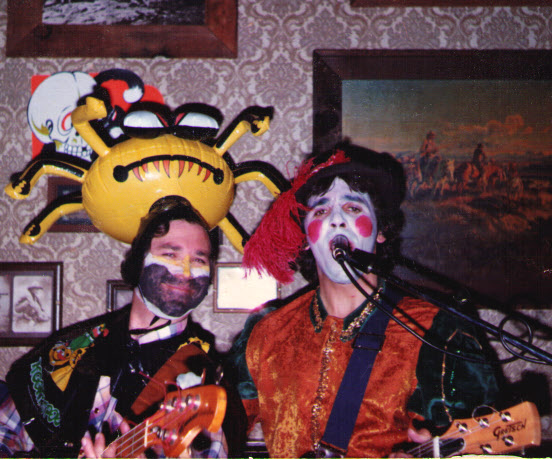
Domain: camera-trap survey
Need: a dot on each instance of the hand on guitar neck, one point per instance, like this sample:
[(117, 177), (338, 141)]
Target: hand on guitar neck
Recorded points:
[(180, 418), (419, 436), (96, 447)]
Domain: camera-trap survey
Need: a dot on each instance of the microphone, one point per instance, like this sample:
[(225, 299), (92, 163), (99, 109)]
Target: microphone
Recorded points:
[(359, 259), (340, 247)]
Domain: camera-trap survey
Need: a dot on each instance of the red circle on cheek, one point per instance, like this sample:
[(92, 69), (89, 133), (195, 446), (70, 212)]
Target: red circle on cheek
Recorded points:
[(364, 226), (313, 230)]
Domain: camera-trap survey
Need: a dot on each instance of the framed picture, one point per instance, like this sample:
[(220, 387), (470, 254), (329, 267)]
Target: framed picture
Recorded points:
[(473, 132), (77, 30), (236, 292), (119, 294), (449, 3), (77, 222), (30, 302)]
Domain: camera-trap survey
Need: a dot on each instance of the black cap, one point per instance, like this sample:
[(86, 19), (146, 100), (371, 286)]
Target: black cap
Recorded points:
[(382, 169)]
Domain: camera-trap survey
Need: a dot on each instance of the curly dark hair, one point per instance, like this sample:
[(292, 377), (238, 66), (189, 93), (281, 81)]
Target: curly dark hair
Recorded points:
[(377, 174), (156, 224)]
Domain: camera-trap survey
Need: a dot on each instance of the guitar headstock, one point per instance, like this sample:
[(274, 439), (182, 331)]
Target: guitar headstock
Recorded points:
[(182, 415), (498, 432)]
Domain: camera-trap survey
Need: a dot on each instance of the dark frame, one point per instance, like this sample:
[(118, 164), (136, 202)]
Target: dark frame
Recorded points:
[(332, 67), (114, 288), (27, 36), (11, 272), (217, 291), (449, 3), (70, 223)]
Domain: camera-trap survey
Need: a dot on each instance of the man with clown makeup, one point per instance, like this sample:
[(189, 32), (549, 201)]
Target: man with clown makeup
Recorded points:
[(327, 373), (87, 378)]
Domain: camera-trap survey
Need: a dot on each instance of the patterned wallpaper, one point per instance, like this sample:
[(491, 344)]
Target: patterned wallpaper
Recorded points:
[(273, 68)]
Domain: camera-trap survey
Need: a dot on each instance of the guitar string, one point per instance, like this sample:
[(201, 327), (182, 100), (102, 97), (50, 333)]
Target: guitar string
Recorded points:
[(134, 441), (448, 439), (126, 446), (127, 440)]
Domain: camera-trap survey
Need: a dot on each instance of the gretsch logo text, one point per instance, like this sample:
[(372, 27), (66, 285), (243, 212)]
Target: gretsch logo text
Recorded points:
[(500, 431)]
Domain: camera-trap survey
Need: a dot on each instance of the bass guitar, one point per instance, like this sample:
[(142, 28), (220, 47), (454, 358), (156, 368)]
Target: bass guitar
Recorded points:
[(496, 433), (181, 416)]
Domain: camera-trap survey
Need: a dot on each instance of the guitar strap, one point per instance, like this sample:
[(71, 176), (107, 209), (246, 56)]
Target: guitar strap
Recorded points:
[(366, 347)]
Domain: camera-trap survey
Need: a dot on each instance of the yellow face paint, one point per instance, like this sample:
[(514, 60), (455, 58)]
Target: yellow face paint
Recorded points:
[(183, 267)]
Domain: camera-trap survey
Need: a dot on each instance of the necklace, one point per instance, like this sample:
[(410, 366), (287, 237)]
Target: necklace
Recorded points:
[(346, 334)]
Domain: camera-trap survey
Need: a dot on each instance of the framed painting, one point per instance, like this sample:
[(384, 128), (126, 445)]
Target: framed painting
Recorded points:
[(119, 294), (77, 222), (118, 28), (30, 302), (473, 131), (447, 3), (233, 291)]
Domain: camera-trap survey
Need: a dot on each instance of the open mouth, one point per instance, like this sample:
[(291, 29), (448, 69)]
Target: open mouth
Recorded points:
[(179, 287), (162, 162), (340, 242)]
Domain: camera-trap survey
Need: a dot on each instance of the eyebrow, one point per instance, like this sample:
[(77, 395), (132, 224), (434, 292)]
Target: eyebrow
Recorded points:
[(355, 198), (168, 245), (177, 248), (321, 200), (349, 197)]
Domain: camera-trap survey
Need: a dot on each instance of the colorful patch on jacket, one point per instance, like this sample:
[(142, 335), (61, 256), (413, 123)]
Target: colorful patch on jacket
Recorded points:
[(66, 354), (204, 345), (49, 412)]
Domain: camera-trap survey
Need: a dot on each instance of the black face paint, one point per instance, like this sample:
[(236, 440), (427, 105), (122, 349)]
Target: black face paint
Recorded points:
[(173, 296)]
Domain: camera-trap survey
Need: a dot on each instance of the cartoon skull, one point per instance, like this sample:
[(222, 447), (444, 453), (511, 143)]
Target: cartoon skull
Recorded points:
[(50, 107)]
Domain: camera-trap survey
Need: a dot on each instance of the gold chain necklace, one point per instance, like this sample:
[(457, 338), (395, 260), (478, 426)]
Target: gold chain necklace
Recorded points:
[(356, 323)]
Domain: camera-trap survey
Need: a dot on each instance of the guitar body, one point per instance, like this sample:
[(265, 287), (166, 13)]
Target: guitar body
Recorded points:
[(182, 415)]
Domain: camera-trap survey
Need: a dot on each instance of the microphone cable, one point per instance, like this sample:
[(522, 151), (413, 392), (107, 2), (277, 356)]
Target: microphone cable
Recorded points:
[(341, 259)]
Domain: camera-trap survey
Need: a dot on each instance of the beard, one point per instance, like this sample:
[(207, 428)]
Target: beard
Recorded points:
[(173, 296)]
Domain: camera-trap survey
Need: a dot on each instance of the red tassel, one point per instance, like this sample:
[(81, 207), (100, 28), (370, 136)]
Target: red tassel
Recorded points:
[(279, 238)]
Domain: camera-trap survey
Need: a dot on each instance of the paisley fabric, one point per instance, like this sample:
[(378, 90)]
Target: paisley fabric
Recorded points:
[(297, 373)]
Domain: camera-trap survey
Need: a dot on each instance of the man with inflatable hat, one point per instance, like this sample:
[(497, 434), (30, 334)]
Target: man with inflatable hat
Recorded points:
[(96, 375)]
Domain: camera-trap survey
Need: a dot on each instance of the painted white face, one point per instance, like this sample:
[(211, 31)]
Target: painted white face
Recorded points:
[(339, 212)]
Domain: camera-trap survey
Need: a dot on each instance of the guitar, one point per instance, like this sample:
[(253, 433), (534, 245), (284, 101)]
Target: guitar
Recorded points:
[(181, 416), (499, 432)]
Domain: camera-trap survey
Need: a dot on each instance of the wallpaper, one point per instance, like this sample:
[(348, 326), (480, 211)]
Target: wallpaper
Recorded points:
[(276, 40)]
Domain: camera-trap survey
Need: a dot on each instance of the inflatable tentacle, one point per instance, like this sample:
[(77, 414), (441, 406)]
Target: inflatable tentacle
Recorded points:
[(235, 233), (263, 172), (94, 109), (23, 183), (254, 119), (61, 206)]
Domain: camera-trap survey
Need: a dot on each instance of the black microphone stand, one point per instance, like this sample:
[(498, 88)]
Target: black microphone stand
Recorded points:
[(368, 263)]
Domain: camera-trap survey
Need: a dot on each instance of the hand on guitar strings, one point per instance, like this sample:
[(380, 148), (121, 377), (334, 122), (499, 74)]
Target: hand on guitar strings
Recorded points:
[(96, 448), (416, 436)]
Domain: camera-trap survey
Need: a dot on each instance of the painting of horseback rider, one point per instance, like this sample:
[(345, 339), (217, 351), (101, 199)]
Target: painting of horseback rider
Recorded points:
[(480, 179), (479, 158), (429, 158)]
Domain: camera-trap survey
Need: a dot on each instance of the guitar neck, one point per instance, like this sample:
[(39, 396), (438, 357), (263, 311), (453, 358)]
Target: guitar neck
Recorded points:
[(499, 432), (174, 426), (133, 443)]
